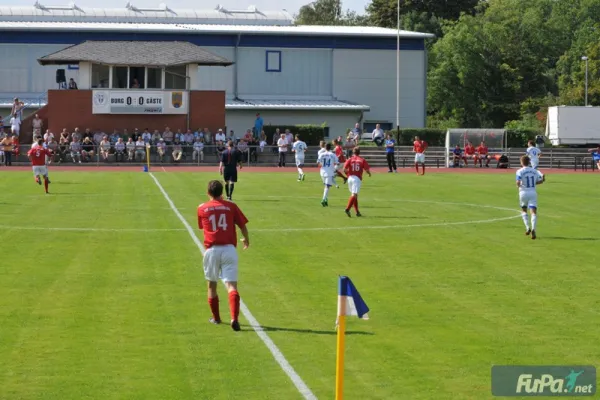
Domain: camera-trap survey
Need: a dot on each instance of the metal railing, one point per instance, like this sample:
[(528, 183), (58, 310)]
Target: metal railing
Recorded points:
[(269, 156), (36, 103)]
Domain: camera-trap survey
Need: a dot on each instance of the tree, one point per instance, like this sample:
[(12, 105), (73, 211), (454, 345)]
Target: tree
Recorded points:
[(385, 12), (328, 12)]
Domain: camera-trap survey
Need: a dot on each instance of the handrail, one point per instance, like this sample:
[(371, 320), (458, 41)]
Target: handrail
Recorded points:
[(39, 100)]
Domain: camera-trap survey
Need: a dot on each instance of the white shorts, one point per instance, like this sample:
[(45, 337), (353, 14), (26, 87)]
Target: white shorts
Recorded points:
[(40, 170), (354, 184), (299, 161), (528, 199), (535, 163), (327, 180), (420, 158), (221, 262)]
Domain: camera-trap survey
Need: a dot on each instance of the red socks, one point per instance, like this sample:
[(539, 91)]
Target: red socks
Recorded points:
[(234, 304), (214, 308), (350, 202), (46, 184), (423, 169), (355, 203), (417, 168)]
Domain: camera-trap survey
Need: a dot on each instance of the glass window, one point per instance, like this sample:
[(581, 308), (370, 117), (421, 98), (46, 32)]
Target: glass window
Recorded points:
[(137, 77), (119, 78), (154, 78), (100, 76), (175, 77)]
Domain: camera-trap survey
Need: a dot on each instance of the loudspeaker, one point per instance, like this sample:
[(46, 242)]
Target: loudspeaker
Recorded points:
[(60, 76)]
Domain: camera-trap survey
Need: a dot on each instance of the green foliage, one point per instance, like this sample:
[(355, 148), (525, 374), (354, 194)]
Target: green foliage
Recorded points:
[(328, 12), (433, 137), (518, 138), (310, 134), (423, 13)]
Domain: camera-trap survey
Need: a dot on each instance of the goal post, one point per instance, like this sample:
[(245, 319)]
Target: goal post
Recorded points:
[(495, 139)]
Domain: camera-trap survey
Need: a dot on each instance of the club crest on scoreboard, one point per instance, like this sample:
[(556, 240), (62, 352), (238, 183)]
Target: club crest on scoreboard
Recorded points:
[(177, 99)]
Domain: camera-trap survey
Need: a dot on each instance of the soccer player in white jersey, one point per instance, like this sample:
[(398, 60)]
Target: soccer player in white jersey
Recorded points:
[(299, 147), (527, 180), (328, 163), (534, 154)]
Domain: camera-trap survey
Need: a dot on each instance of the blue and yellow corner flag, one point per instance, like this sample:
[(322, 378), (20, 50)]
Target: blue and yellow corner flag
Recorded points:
[(350, 302)]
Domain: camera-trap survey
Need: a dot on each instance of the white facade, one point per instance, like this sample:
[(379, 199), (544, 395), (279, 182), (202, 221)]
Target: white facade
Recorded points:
[(273, 59), (337, 121)]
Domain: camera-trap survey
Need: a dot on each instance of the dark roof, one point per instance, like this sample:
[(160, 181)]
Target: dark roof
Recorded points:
[(138, 53)]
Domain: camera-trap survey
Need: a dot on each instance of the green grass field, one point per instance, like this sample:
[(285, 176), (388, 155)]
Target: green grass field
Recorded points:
[(102, 293)]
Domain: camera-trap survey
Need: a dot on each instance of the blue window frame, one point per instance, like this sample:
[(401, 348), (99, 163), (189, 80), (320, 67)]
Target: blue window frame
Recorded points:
[(273, 61)]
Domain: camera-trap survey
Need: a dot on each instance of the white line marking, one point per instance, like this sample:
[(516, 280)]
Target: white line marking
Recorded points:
[(342, 228), (281, 360), (164, 170)]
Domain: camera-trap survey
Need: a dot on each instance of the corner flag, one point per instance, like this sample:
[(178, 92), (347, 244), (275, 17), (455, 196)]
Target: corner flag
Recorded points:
[(349, 303)]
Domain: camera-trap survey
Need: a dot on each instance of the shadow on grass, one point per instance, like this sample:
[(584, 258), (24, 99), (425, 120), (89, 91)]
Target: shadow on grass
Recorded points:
[(311, 331), (570, 238)]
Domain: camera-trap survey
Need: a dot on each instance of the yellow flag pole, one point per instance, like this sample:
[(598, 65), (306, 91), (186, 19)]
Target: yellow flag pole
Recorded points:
[(148, 156), (339, 361)]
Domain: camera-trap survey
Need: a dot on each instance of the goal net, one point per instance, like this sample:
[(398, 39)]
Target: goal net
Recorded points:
[(495, 139)]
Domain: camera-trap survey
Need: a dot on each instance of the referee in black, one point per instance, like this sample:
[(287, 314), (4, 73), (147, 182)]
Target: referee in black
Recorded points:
[(230, 159)]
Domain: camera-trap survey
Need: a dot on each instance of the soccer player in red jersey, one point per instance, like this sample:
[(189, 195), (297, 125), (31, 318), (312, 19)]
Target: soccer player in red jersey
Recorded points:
[(339, 152), (482, 152), (470, 153), (354, 168), (37, 155), (419, 147), (218, 219)]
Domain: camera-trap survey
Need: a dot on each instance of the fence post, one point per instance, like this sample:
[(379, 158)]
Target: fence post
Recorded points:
[(551, 159)]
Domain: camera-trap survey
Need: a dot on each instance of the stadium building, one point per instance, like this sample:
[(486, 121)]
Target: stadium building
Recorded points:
[(331, 76)]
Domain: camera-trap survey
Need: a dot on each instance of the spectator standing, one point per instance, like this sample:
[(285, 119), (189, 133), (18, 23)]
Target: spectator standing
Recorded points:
[(88, 134), (156, 137), (168, 136), (231, 138), (290, 139), (15, 125), (282, 145), (130, 146), (378, 135), (276, 137), (220, 149), (390, 155), (99, 136), (147, 136), (248, 135), (140, 149), (7, 145), (258, 125), (1, 127), (208, 137), (179, 136), (75, 148), (120, 150), (37, 125), (263, 141), (356, 132), (198, 153), (65, 135), (349, 144), (72, 84), (114, 138), (17, 108)]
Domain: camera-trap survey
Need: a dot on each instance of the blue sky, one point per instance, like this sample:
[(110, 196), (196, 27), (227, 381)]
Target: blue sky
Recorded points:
[(271, 5)]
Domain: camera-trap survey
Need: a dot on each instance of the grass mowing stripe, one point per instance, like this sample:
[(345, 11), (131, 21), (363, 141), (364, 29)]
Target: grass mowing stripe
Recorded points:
[(279, 357)]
